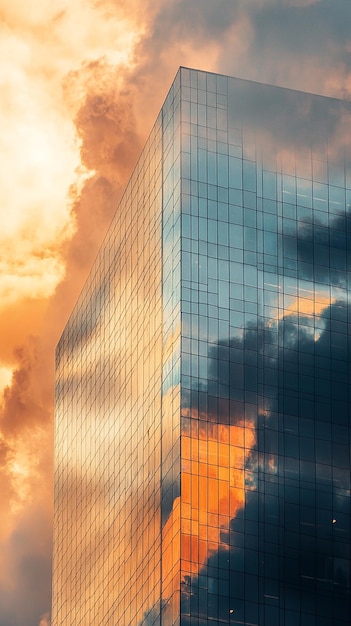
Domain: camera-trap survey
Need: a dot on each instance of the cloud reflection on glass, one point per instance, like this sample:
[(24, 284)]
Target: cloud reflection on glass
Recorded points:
[(264, 359), (210, 391)]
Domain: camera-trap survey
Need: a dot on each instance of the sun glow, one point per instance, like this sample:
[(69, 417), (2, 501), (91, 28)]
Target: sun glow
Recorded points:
[(39, 148)]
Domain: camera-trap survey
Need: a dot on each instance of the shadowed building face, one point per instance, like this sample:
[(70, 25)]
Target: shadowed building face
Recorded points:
[(202, 429)]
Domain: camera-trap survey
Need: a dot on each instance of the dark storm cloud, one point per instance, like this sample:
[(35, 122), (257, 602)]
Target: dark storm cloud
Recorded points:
[(325, 247), (293, 370), (295, 29), (311, 379), (305, 376), (316, 575), (233, 368)]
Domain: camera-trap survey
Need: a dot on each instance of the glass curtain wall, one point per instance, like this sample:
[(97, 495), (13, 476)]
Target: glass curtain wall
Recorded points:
[(203, 380), (107, 543), (265, 355)]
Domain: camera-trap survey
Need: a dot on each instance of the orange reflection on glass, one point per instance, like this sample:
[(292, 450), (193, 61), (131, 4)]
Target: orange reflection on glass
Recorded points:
[(312, 305), (212, 486)]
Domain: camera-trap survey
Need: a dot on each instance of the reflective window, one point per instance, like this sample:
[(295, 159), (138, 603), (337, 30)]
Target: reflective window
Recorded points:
[(203, 404)]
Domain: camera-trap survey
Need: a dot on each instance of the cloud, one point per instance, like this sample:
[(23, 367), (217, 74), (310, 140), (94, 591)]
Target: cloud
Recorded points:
[(24, 404), (54, 212), (39, 146), (256, 41), (325, 247), (309, 379), (34, 134), (105, 119), (26, 570), (283, 34), (81, 86)]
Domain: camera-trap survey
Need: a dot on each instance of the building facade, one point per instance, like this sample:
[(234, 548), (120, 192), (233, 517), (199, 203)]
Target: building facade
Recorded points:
[(202, 436)]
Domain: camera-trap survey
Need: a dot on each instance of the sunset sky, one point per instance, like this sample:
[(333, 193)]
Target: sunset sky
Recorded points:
[(81, 84)]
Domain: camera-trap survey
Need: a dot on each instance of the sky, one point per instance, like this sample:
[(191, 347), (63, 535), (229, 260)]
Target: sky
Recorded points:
[(81, 85)]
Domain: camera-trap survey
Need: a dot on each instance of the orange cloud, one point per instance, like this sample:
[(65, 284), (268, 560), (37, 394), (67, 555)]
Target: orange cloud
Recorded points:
[(58, 196), (213, 486)]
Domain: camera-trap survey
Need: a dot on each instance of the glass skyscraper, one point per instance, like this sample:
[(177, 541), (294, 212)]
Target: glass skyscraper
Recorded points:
[(202, 434)]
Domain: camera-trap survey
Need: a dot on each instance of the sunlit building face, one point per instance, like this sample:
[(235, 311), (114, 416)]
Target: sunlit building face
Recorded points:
[(203, 379)]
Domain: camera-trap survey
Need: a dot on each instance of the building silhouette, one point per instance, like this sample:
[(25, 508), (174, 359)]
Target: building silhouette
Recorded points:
[(202, 435)]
